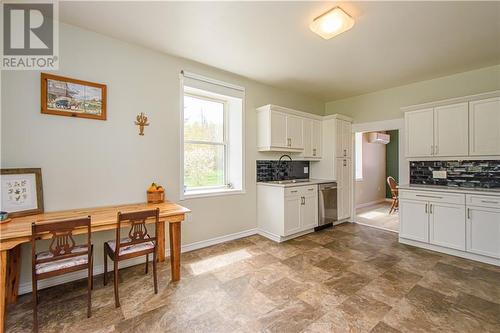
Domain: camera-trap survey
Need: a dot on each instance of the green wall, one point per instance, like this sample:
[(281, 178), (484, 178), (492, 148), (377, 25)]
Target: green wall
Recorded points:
[(392, 160), (386, 104)]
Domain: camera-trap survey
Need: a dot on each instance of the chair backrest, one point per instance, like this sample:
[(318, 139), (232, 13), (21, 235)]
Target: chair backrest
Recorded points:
[(62, 241), (138, 232), (393, 185)]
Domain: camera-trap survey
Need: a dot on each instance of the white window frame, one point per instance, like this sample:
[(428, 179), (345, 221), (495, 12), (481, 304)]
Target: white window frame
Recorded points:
[(212, 191), (224, 143)]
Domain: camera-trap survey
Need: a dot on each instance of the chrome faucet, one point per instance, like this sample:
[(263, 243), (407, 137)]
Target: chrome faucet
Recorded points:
[(278, 168)]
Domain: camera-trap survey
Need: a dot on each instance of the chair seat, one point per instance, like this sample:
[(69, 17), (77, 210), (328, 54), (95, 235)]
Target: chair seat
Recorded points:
[(62, 263), (130, 248)]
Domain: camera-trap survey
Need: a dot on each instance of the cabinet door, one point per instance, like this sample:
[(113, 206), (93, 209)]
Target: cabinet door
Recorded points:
[(447, 225), (346, 139), (484, 124), (294, 132), (310, 209), (308, 137), (451, 130), (344, 188), (414, 220), (293, 205), (316, 138), (278, 129), (419, 133), (483, 231)]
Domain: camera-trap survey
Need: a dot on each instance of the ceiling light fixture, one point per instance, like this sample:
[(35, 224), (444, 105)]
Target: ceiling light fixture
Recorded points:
[(332, 23)]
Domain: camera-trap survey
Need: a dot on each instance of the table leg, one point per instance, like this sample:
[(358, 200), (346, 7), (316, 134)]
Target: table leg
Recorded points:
[(3, 282), (161, 241), (13, 273), (175, 250)]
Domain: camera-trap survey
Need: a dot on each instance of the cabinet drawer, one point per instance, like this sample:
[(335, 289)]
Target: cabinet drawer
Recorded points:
[(483, 200), (452, 198), (301, 190)]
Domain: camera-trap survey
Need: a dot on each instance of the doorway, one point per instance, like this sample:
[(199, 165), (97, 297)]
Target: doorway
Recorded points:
[(378, 154)]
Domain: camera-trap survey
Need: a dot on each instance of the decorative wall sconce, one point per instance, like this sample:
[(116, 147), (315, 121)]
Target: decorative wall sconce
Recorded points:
[(141, 121)]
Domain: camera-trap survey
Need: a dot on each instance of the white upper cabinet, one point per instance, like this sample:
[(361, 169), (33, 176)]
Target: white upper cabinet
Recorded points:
[(420, 133), (465, 128), (344, 139), (484, 124), (294, 132), (451, 130), (312, 138), (285, 130), (278, 129)]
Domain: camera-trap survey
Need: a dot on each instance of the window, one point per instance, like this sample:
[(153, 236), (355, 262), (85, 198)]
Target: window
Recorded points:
[(212, 144), (359, 155)]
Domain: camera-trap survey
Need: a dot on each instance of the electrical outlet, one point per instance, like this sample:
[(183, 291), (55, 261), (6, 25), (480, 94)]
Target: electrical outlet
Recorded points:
[(439, 174), (306, 169)]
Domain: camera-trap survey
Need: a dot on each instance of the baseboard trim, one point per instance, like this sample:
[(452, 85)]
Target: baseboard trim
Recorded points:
[(26, 287), (457, 253), (280, 239), (371, 203)]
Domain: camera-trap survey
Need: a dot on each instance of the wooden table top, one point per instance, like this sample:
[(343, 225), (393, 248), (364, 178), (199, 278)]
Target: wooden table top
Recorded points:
[(18, 230)]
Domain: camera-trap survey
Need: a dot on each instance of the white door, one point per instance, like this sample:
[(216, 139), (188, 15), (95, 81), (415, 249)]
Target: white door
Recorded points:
[(310, 208), (483, 231), (316, 138), (293, 205), (278, 129), (414, 220), (451, 130), (484, 124), (419, 133), (295, 132), (447, 225), (308, 137)]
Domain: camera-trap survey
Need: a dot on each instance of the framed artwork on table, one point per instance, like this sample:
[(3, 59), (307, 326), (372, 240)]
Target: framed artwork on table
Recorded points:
[(22, 192), (64, 96)]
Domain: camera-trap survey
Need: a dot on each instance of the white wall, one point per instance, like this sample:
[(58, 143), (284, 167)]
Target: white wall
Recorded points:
[(88, 163), (372, 187), (386, 104)]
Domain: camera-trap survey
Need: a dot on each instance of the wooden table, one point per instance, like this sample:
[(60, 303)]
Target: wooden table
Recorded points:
[(18, 231)]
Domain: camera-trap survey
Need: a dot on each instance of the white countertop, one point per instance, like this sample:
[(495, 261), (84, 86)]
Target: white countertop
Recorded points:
[(299, 183), (438, 188)]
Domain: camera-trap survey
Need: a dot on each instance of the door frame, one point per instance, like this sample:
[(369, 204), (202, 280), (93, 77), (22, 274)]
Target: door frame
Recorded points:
[(384, 125)]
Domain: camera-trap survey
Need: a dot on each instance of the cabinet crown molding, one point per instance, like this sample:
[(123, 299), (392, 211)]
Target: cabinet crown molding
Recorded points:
[(444, 102)]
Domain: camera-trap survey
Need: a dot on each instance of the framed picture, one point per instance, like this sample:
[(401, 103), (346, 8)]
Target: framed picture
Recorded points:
[(63, 96), (22, 192)]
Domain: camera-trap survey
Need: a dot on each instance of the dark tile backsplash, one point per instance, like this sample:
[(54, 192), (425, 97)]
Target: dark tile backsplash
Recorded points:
[(274, 170), (484, 174)]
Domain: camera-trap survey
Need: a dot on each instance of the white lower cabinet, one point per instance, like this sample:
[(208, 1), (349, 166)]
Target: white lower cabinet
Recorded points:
[(483, 231), (414, 220), (447, 225), (466, 225), (285, 211), (343, 168)]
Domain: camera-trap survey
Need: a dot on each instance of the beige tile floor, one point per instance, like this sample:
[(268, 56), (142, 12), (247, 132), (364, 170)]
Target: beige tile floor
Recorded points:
[(378, 216), (350, 278)]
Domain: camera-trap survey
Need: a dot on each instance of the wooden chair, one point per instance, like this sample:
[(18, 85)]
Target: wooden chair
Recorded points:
[(394, 193), (138, 243), (63, 256)]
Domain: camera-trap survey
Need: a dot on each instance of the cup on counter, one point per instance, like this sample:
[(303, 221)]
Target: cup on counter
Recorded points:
[(3, 216)]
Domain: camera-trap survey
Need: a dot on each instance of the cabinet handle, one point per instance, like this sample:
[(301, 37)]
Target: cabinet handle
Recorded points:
[(428, 196), (468, 213), (491, 202), (345, 152), (437, 149), (293, 191), (310, 189), (345, 163), (430, 208), (314, 152), (426, 209), (302, 200)]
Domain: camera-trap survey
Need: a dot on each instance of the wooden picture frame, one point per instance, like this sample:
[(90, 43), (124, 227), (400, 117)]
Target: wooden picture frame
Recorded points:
[(63, 96), (34, 176)]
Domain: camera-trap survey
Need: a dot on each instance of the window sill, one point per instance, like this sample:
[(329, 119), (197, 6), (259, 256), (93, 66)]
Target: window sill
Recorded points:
[(211, 193)]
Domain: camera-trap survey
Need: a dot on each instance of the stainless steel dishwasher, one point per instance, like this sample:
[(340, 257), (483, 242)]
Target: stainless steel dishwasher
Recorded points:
[(327, 201)]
